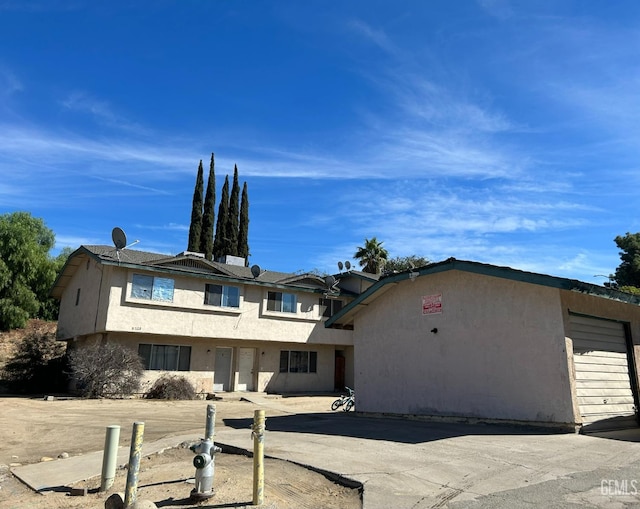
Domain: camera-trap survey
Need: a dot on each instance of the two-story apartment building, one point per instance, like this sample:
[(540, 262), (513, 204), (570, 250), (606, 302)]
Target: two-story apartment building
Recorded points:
[(224, 326)]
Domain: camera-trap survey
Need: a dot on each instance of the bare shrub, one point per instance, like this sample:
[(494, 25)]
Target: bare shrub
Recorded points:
[(38, 364), (106, 370), (171, 387)]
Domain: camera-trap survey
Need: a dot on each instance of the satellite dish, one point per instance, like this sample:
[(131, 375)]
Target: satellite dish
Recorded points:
[(340, 266), (330, 281), (347, 264), (256, 270), (119, 238)]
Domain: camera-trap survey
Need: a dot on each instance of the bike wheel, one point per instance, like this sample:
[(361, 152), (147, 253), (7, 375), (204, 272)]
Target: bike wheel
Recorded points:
[(349, 405), (336, 404)]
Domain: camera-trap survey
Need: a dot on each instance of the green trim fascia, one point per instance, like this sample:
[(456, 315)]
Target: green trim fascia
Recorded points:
[(493, 271)]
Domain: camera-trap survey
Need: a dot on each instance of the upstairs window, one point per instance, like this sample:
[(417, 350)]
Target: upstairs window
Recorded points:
[(331, 306), (293, 361), (282, 302), (223, 296), (152, 288), (165, 357)]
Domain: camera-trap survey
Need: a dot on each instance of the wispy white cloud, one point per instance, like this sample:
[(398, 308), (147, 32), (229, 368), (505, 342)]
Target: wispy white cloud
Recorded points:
[(9, 82), (101, 111), (377, 37)]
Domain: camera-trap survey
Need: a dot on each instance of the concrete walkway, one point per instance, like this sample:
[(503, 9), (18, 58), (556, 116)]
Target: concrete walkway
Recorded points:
[(413, 464), (57, 474)]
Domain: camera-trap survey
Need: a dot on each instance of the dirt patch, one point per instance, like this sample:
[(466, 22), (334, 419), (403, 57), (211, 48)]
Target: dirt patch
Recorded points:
[(10, 340), (34, 428), (167, 480)]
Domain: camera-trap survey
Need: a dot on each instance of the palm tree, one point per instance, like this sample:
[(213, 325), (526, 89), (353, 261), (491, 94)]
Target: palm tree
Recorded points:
[(371, 256)]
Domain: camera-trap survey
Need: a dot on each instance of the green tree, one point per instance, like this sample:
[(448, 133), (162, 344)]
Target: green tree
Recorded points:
[(628, 272), (195, 228), (26, 269), (220, 245), (49, 307), (372, 256), (231, 230), (208, 217), (243, 231), (400, 263)]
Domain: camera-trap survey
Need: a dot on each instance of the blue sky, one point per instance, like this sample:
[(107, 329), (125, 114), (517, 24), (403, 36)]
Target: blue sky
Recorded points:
[(495, 131)]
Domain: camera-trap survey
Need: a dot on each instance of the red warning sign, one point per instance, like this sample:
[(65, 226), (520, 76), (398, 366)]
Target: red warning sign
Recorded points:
[(431, 304)]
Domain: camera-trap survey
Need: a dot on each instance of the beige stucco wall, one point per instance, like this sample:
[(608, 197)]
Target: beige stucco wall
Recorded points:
[(267, 377), (84, 318), (188, 316), (499, 351), (107, 312)]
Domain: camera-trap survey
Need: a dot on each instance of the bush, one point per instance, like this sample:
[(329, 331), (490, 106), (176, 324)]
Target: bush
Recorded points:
[(38, 365), (106, 370), (171, 387)]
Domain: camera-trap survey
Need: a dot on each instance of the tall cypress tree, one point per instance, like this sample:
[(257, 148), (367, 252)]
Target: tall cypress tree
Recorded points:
[(208, 217), (195, 228), (220, 245), (243, 230), (231, 230)]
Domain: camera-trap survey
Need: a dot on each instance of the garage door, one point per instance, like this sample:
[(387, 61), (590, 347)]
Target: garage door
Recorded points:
[(603, 384)]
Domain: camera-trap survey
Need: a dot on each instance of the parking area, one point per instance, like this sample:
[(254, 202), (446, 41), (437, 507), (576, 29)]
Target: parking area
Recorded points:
[(400, 463)]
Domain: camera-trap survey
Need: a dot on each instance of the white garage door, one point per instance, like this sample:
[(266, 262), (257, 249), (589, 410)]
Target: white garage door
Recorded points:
[(603, 384)]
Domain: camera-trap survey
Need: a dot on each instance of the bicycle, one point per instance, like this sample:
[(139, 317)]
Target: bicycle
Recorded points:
[(348, 402)]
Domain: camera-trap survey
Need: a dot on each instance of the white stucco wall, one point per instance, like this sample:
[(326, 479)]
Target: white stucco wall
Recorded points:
[(499, 351)]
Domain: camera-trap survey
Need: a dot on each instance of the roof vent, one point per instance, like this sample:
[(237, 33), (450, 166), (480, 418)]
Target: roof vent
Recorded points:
[(233, 260), (191, 253)]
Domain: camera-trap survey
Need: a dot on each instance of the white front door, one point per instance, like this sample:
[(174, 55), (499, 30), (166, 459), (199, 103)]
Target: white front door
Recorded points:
[(222, 373), (245, 369)]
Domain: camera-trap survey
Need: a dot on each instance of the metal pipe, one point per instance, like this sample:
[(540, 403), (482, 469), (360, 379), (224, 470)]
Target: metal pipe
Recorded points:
[(110, 457), (211, 422), (131, 491), (258, 456)]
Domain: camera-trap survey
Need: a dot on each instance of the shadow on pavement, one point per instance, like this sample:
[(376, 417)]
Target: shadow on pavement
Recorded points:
[(382, 428)]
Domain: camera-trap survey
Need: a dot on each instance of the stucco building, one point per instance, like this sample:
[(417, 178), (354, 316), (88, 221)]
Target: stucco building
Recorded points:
[(464, 340), (223, 325)]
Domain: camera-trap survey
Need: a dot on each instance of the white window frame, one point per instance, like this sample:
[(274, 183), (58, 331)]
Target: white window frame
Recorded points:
[(298, 361), (225, 291), (158, 289), (285, 303), (157, 354)]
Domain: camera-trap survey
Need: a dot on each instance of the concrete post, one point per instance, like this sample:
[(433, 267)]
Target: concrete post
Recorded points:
[(110, 457), (211, 422), (258, 457), (131, 491)]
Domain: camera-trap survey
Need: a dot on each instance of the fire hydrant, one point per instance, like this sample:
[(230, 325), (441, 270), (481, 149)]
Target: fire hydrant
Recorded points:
[(204, 460)]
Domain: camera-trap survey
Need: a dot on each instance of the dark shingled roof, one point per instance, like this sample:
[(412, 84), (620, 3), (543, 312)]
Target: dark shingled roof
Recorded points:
[(188, 263)]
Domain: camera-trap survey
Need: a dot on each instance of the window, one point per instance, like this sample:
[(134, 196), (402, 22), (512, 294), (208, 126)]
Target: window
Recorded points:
[(78, 297), (292, 361), (152, 288), (165, 357), (331, 306), (224, 296), (282, 302)]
